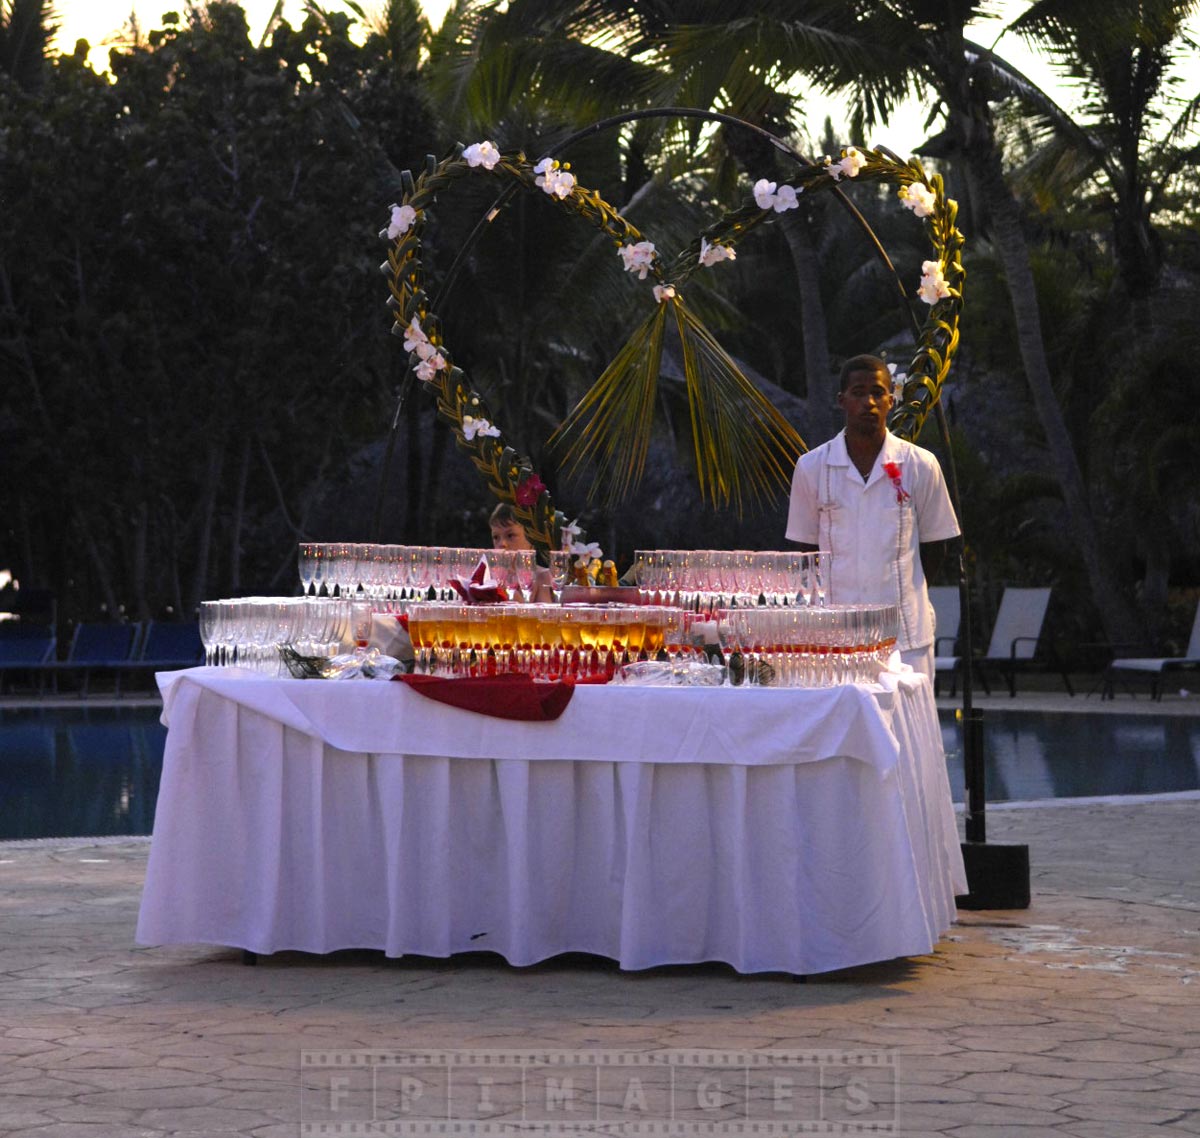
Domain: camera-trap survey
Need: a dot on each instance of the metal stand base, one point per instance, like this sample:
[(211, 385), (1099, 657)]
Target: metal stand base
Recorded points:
[(997, 876)]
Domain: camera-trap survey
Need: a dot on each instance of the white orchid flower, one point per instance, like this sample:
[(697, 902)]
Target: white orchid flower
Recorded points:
[(414, 336), (933, 284), (851, 162), (764, 193), (472, 428), (711, 254), (553, 179), (403, 217), (585, 551), (425, 371), (785, 198), (424, 350), (898, 379), (918, 198), (663, 293), (485, 154), (638, 258), (570, 532), (560, 183)]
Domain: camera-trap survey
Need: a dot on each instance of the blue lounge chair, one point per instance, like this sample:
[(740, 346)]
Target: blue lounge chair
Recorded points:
[(168, 645), (24, 648), (95, 647)]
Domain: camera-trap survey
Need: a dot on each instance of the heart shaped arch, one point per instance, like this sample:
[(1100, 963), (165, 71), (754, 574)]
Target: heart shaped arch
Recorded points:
[(743, 446)]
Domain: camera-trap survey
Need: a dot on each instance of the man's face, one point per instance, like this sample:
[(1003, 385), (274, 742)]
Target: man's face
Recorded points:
[(509, 535), (866, 401)]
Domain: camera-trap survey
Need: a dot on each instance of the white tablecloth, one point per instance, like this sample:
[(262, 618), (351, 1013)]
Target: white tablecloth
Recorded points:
[(788, 830)]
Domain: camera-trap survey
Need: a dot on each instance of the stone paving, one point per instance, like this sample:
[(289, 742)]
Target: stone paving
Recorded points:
[(1076, 1017)]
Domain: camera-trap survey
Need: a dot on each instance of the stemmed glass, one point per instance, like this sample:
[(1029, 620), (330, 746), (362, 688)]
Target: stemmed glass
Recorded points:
[(210, 629), (341, 568), (526, 563), (560, 567), (233, 631), (416, 568), (360, 626), (673, 636), (307, 558)]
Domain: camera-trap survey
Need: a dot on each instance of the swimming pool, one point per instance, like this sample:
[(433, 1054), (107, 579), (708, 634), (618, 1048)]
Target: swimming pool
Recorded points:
[(79, 772), (1036, 755), (94, 771)]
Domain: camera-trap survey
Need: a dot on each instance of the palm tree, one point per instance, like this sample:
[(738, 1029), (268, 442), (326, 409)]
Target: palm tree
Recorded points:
[(714, 53), (26, 29), (1126, 142), (924, 49)]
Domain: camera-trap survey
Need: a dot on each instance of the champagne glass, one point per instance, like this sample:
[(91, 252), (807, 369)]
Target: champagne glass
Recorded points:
[(321, 561), (306, 563), (232, 629), (525, 562), (210, 629), (675, 638), (360, 626), (416, 569)]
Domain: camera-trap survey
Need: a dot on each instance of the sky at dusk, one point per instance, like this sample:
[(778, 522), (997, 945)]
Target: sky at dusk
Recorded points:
[(100, 22)]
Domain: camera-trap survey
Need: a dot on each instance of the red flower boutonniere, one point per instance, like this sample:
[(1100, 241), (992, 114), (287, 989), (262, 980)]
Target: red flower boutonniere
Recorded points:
[(529, 491), (892, 470)]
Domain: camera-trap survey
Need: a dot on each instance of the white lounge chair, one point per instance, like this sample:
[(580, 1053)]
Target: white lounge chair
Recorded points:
[(1155, 666), (946, 614), (1015, 638)]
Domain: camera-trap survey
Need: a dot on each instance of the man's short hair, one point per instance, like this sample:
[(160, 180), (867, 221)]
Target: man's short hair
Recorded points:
[(856, 364), (503, 515)]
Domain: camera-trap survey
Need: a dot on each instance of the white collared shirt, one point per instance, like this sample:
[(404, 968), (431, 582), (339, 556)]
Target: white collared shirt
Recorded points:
[(874, 528)]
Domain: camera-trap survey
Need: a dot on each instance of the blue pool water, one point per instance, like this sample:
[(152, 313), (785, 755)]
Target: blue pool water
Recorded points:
[(1034, 755), (79, 772), (94, 771)]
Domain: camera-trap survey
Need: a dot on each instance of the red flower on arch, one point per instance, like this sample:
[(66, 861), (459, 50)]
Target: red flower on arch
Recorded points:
[(529, 490)]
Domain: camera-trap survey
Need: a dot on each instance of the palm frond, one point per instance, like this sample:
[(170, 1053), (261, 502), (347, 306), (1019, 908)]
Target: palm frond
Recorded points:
[(745, 449), (609, 429)]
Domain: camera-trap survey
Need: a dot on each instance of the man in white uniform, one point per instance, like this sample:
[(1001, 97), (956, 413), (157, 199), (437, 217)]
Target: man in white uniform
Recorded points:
[(880, 506)]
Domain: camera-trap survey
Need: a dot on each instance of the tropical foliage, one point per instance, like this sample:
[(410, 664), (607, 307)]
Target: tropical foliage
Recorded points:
[(195, 370), (741, 443)]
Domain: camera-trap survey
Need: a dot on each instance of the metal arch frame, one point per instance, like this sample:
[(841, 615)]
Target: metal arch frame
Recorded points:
[(973, 759)]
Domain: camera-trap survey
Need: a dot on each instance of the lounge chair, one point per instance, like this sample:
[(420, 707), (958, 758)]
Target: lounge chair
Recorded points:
[(95, 647), (24, 648), (168, 645), (1155, 666), (947, 614), (1015, 638)]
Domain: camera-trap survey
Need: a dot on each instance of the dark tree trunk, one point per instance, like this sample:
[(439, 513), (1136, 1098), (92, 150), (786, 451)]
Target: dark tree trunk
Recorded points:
[(239, 514), (821, 389), (199, 590), (1120, 624)]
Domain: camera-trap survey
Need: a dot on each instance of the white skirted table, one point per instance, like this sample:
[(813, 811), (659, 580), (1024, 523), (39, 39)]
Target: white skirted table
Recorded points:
[(776, 830)]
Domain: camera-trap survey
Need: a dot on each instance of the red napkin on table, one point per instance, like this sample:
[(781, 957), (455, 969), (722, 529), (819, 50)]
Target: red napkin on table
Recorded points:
[(481, 587), (512, 696)]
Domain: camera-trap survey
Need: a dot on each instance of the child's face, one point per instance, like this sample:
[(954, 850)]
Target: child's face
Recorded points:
[(509, 535)]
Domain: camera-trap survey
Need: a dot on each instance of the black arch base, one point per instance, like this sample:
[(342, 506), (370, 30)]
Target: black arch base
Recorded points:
[(997, 876)]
